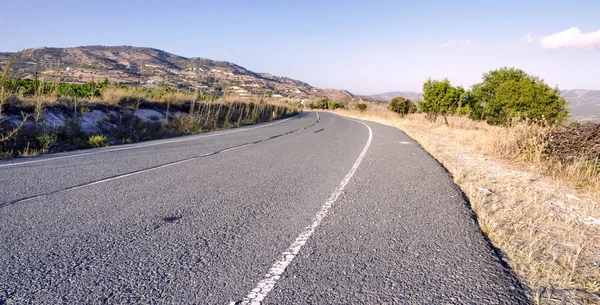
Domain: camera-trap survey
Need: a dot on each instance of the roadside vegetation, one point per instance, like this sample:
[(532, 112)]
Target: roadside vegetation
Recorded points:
[(39, 116), (532, 179), (325, 103)]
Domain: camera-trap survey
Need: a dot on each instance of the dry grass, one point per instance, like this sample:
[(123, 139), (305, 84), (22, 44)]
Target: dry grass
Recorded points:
[(177, 98), (113, 95), (542, 214)]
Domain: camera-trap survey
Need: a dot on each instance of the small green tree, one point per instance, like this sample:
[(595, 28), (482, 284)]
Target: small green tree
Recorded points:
[(441, 98), (402, 106), (361, 107), (509, 94), (322, 103), (334, 105)]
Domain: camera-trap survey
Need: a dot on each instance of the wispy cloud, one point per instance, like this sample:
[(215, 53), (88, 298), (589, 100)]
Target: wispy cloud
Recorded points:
[(456, 42), (572, 38), (228, 54), (527, 38)]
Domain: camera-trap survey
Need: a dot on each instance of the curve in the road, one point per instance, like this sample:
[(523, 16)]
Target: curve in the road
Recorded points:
[(207, 232)]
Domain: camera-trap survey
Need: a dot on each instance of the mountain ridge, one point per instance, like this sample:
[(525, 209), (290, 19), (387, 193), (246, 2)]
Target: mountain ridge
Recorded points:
[(151, 67)]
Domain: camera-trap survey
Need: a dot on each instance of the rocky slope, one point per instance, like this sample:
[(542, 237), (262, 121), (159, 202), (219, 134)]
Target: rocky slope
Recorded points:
[(155, 68), (584, 104)]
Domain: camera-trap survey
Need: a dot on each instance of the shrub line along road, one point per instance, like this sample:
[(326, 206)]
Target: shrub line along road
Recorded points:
[(306, 210)]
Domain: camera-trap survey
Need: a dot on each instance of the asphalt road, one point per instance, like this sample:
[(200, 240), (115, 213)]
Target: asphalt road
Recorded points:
[(302, 211)]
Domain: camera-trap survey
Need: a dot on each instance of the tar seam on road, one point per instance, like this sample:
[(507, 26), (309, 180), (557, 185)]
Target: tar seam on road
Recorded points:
[(141, 145), (3, 204), (257, 295)]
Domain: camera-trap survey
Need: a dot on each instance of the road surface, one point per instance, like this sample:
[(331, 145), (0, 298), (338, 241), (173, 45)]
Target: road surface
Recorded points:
[(315, 209)]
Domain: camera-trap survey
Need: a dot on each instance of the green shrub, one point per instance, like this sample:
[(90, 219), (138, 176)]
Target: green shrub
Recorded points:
[(322, 103), (98, 140), (509, 94), (31, 87), (402, 106), (325, 103), (46, 141), (335, 105), (441, 98), (361, 107)]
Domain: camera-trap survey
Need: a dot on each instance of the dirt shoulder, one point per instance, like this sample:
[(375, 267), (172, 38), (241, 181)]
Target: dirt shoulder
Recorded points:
[(547, 229)]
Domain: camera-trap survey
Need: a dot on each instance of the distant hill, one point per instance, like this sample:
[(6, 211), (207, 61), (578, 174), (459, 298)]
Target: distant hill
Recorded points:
[(150, 67), (388, 96), (584, 104)]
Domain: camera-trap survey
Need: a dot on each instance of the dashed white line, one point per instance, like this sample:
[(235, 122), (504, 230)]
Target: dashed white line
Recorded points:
[(141, 145), (258, 294), (124, 175)]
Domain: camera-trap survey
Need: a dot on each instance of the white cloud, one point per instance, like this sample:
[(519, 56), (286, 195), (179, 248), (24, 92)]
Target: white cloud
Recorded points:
[(228, 54), (527, 38), (456, 42), (572, 38), (449, 44)]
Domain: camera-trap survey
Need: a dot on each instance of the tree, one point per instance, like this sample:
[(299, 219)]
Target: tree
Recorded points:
[(509, 94), (325, 103), (441, 98), (361, 107), (322, 103), (402, 106)]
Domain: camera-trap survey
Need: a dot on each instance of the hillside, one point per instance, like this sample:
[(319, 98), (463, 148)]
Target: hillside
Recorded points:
[(584, 104), (388, 96), (155, 68)]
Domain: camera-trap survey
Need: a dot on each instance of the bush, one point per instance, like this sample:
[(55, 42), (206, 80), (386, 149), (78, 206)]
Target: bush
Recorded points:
[(98, 141), (402, 106), (325, 103), (361, 107), (509, 94), (322, 103), (46, 141), (441, 98), (335, 105), (31, 87)]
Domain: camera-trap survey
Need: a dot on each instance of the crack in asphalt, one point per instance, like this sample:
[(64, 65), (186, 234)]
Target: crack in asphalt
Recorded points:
[(87, 260), (141, 145), (71, 188)]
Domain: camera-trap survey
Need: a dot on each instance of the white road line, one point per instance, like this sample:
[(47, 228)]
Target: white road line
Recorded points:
[(257, 295), (145, 170), (142, 145), (124, 175)]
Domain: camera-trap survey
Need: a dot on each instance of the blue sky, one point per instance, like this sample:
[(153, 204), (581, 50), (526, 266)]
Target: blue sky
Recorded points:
[(366, 47)]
